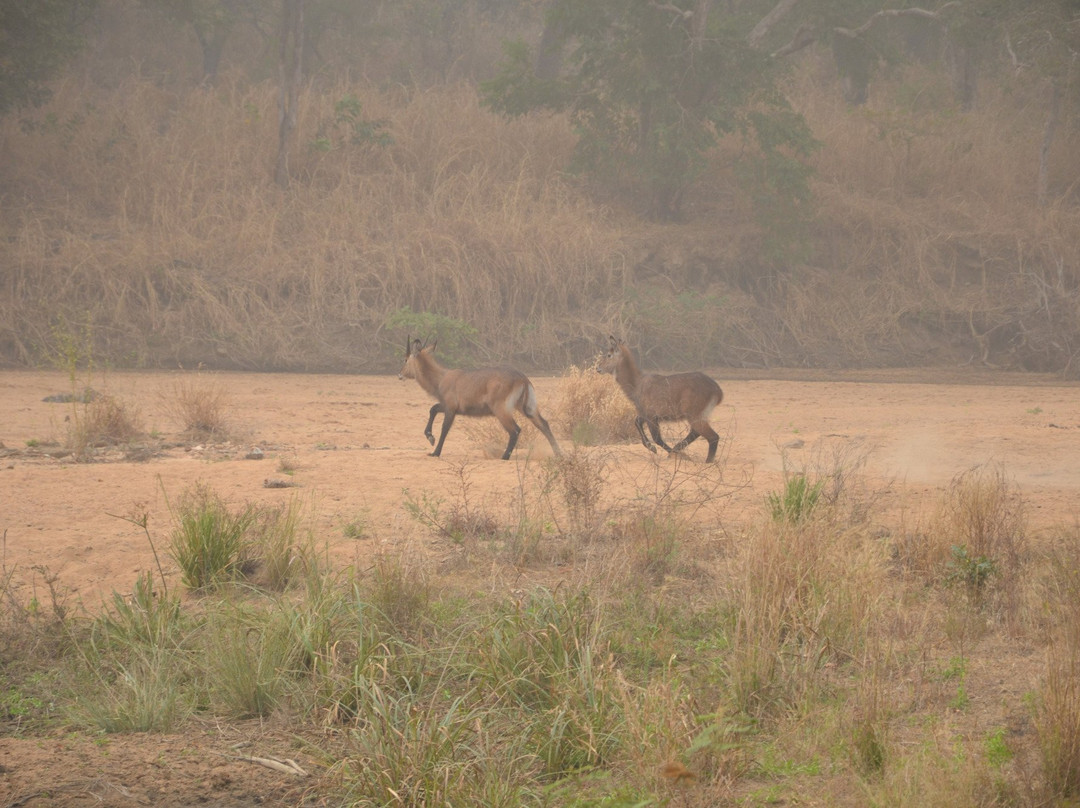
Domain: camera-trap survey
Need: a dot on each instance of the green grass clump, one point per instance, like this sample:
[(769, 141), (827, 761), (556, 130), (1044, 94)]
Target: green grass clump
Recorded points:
[(210, 542), (797, 500), (214, 544)]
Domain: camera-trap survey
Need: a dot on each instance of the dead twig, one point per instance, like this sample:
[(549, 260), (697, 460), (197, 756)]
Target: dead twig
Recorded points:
[(284, 765)]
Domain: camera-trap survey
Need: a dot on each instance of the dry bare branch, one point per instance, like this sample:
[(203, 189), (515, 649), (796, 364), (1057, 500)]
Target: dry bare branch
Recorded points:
[(893, 13), (765, 24)]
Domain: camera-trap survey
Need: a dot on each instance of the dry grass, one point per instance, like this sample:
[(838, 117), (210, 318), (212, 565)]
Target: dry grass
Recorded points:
[(175, 248), (1057, 713), (975, 541), (200, 405), (195, 258), (103, 420), (592, 409)]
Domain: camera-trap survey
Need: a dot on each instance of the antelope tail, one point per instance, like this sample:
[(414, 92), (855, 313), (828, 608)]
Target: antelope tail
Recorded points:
[(529, 405)]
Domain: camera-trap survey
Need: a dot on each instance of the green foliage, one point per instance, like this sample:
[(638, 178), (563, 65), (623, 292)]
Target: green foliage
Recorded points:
[(869, 749), (968, 571), (957, 671), (997, 748), (279, 546), (596, 790), (16, 705), (351, 128), (776, 178), (37, 37), (454, 336), (399, 593), (418, 750), (140, 694), (73, 346), (250, 660), (357, 527), (516, 89), (797, 500), (651, 94)]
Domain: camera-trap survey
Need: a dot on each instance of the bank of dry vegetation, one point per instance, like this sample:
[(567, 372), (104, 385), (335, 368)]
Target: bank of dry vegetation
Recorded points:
[(140, 220)]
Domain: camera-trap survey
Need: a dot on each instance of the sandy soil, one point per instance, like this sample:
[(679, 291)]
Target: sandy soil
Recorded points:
[(355, 444)]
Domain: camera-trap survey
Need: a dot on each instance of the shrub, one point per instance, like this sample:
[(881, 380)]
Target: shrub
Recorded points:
[(454, 336)]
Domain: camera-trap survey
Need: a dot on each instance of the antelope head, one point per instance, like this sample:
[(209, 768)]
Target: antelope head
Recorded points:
[(413, 350), (608, 361)]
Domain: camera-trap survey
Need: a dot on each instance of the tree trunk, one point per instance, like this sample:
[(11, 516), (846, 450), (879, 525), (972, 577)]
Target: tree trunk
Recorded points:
[(291, 71), (963, 77), (699, 23), (549, 52), (853, 64), (1048, 139)]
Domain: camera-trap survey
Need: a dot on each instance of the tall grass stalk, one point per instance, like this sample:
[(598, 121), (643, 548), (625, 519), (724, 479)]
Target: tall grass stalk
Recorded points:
[(803, 596), (252, 659)]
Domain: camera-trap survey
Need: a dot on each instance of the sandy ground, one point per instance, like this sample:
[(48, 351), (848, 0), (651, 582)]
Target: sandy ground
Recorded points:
[(354, 446)]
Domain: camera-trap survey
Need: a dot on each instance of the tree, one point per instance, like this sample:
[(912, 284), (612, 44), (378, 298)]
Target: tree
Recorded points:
[(652, 87), (291, 66), (36, 38), (211, 20), (1042, 41)]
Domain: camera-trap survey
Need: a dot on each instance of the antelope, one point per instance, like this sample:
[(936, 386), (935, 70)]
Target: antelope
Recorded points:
[(679, 397), (497, 391)]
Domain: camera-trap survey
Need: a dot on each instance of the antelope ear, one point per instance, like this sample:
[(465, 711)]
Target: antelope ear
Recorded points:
[(614, 342), (436, 342)]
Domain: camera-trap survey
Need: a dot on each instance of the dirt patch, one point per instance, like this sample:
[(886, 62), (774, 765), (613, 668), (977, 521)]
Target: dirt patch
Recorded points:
[(212, 767), (352, 446)]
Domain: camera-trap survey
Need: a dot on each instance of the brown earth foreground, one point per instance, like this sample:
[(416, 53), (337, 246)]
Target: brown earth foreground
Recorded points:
[(352, 445)]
